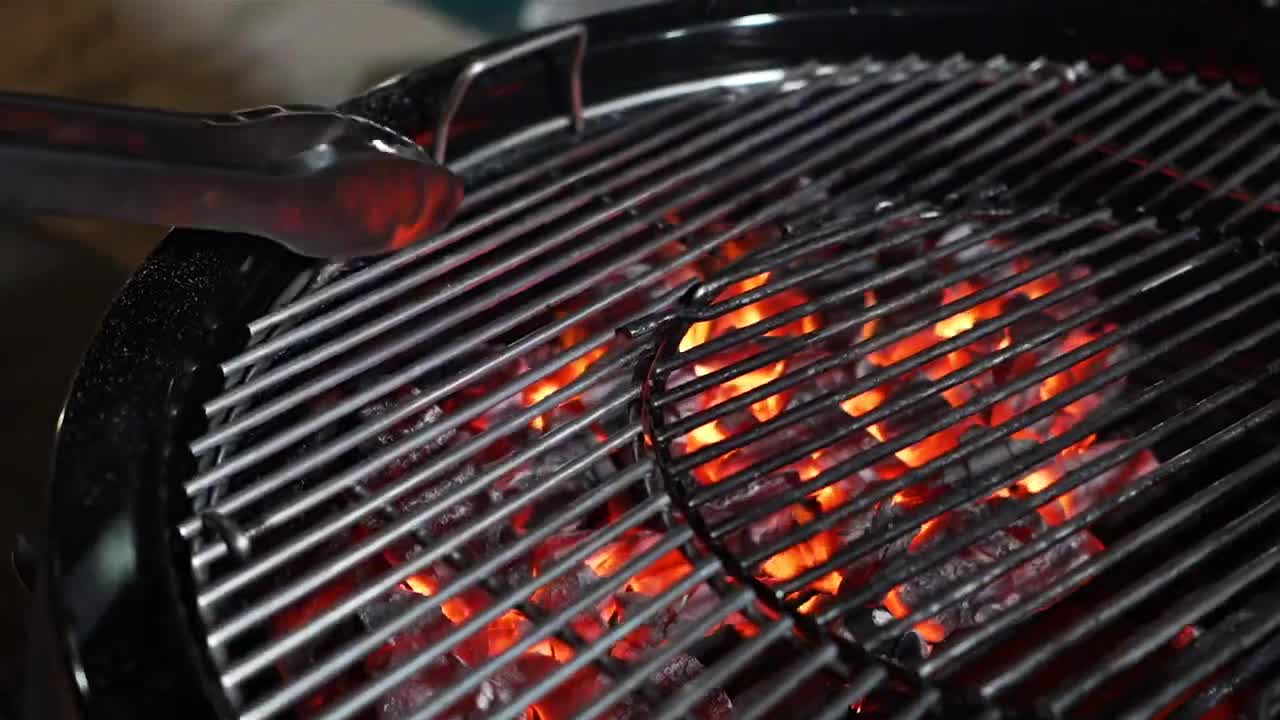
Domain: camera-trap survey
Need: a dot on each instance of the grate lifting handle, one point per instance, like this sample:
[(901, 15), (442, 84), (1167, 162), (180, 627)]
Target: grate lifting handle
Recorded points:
[(476, 68)]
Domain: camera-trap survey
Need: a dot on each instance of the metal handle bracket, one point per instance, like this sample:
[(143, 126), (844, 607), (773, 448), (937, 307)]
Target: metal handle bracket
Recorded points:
[(462, 84)]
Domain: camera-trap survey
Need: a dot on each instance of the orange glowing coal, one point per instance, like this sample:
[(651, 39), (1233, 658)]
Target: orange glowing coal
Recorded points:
[(540, 390), (938, 444), (802, 557), (703, 332)]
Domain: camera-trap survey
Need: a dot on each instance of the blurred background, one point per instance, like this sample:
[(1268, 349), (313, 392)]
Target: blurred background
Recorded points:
[(58, 276)]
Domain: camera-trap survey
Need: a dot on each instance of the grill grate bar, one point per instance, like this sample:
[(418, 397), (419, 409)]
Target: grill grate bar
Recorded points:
[(619, 142), (738, 600), (343, 482), (1253, 634), (1269, 701), (1112, 129), (513, 318), (981, 441), (1160, 632), (1053, 645), (606, 587), (355, 651), (792, 416), (943, 660), (324, 296), (930, 123), (1014, 510), (308, 280), (1250, 670), (664, 182), (703, 495)]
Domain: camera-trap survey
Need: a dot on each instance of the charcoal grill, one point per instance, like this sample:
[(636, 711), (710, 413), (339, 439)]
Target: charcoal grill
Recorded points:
[(639, 436)]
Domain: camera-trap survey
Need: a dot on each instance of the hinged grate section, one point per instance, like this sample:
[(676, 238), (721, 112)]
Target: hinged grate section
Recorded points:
[(959, 418), (427, 490)]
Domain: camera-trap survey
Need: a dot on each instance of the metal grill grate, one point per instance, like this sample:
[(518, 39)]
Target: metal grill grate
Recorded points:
[(446, 447)]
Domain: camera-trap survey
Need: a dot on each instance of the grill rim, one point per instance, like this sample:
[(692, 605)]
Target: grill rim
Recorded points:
[(147, 372)]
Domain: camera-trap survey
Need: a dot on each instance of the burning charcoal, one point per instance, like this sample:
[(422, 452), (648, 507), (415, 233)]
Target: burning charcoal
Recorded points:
[(911, 648), (562, 702), (861, 623), (408, 427), (604, 389), (679, 671), (427, 632), (1029, 326), (569, 588), (1107, 484), (402, 702), (927, 411), (1080, 303), (1048, 566), (922, 412), (1011, 409), (929, 585), (747, 496), (978, 467), (672, 621), (563, 453), (998, 596), (862, 570), (434, 493), (556, 547), (966, 233), (765, 530), (538, 470), (1078, 373)]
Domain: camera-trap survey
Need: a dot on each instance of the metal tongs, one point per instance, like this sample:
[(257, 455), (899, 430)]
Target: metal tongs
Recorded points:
[(320, 183)]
